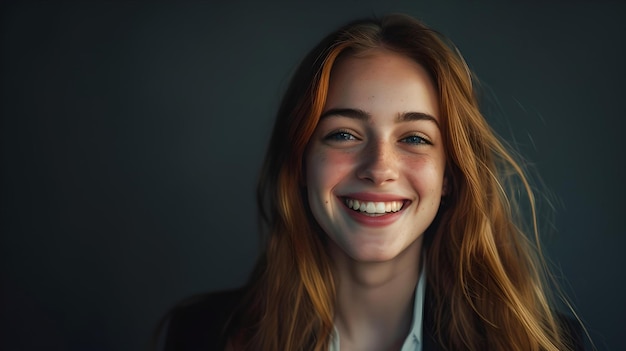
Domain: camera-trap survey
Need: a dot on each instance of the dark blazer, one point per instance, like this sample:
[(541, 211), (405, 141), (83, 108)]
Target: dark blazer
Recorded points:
[(198, 323)]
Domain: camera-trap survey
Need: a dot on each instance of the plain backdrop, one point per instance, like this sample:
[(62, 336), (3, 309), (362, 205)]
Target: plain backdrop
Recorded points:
[(132, 135)]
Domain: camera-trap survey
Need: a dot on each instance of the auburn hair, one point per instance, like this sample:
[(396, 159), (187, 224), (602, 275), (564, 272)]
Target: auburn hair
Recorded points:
[(486, 274)]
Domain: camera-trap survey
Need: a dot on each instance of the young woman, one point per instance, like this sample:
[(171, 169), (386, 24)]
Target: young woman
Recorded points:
[(389, 207)]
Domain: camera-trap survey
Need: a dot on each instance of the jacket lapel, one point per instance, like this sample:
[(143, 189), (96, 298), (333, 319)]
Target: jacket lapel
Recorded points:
[(429, 340)]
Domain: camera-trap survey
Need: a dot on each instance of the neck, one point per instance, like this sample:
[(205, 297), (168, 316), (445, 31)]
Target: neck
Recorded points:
[(375, 299)]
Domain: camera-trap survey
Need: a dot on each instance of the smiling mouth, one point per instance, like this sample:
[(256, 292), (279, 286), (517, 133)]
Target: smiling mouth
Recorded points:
[(374, 208)]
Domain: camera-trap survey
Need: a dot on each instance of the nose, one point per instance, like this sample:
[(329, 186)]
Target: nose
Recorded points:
[(379, 164)]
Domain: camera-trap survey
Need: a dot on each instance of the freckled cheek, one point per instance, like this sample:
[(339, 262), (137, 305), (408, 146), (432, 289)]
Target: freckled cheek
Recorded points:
[(325, 171), (425, 176)]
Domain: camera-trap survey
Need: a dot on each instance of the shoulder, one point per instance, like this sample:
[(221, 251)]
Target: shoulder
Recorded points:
[(572, 332), (199, 322), (571, 329)]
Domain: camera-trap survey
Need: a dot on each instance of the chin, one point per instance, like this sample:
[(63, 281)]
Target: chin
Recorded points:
[(374, 256)]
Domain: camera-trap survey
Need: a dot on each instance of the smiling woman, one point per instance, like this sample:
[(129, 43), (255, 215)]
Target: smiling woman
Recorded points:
[(390, 214), (377, 145)]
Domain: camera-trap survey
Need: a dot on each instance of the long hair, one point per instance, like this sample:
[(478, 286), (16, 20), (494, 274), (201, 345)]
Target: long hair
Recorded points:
[(486, 275)]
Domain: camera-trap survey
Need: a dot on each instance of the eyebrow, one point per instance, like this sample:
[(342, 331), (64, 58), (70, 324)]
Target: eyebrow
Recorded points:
[(364, 116)]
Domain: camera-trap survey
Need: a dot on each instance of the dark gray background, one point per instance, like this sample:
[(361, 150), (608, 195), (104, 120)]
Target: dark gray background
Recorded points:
[(132, 134)]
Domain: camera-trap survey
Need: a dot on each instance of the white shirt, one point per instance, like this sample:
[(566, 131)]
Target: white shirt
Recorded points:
[(413, 341)]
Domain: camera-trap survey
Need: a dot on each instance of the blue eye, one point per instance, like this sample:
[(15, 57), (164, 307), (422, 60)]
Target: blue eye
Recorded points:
[(340, 136), (415, 139)]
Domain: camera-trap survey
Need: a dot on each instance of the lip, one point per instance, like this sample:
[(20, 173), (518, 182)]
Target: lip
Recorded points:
[(377, 221), (374, 197)]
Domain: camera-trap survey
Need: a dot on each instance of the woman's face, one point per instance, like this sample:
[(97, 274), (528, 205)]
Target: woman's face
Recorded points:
[(375, 164)]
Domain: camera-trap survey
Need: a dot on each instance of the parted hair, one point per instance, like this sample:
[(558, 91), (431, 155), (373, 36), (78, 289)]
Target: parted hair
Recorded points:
[(486, 274)]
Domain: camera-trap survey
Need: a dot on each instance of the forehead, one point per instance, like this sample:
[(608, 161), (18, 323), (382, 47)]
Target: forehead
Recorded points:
[(380, 80)]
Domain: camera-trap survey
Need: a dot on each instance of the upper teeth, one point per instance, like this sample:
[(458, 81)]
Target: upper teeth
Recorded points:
[(374, 207)]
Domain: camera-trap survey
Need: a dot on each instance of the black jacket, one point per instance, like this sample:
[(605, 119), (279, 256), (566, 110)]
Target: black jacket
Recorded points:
[(199, 322)]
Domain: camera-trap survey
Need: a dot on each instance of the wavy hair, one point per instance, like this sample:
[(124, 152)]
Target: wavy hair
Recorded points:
[(486, 272)]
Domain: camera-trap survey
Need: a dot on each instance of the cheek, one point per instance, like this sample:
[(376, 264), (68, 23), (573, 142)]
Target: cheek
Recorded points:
[(325, 170), (426, 175)]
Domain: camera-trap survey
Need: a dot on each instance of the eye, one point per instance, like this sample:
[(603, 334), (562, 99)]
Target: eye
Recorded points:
[(340, 135), (415, 140)]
